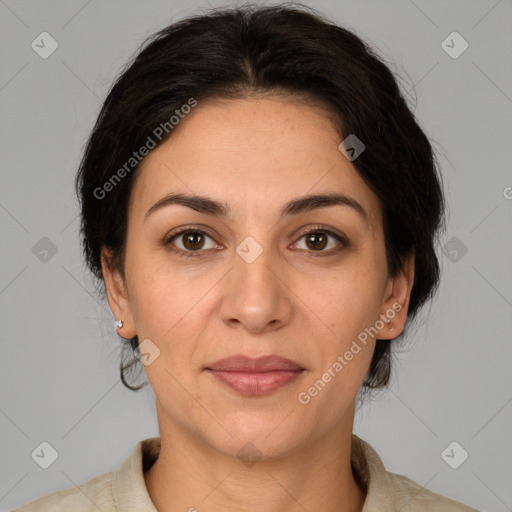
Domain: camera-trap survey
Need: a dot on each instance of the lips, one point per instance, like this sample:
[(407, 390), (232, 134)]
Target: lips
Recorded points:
[(260, 364), (258, 376)]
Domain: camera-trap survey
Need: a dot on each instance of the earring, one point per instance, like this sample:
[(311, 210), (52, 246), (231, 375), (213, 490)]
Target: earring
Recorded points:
[(119, 324)]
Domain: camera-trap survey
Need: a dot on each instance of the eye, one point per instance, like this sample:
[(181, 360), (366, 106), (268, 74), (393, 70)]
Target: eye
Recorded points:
[(190, 241), (317, 239), (194, 242)]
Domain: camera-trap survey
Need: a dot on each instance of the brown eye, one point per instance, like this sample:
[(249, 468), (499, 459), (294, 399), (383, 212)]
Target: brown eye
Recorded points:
[(193, 240), (190, 242), (316, 240), (321, 241)]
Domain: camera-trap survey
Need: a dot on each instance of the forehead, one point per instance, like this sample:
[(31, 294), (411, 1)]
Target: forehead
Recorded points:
[(252, 154)]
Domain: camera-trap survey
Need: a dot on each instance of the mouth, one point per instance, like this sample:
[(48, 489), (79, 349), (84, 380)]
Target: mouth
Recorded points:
[(259, 376)]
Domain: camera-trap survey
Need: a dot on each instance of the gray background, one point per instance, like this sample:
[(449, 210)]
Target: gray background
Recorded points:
[(59, 364)]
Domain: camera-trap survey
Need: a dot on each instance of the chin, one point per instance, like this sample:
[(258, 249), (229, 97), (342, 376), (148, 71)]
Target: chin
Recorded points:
[(260, 439)]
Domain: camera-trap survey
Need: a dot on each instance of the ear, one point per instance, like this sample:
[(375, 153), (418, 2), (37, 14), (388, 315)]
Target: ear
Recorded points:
[(117, 295), (396, 300)]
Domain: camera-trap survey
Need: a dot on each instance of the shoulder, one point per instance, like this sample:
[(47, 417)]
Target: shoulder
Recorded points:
[(412, 497), (388, 491), (95, 494), (114, 491)]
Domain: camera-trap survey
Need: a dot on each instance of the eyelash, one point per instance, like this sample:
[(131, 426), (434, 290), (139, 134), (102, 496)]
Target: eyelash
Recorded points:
[(194, 254)]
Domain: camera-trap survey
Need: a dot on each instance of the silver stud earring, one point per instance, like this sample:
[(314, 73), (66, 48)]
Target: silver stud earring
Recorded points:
[(119, 324)]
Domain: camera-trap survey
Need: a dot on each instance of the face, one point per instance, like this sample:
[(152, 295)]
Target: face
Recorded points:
[(256, 277)]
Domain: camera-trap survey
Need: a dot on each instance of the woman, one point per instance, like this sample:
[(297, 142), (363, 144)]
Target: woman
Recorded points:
[(262, 208)]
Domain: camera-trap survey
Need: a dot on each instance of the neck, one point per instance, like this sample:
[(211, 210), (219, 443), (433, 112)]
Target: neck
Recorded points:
[(191, 475)]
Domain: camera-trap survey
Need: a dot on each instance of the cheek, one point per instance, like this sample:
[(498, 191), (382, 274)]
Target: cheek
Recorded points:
[(347, 301), (159, 295), (172, 309), (163, 306), (348, 305)]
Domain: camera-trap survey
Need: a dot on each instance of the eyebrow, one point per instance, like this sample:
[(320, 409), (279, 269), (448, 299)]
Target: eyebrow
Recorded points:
[(296, 206)]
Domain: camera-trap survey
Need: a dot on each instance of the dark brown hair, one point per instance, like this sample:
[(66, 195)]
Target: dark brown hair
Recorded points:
[(243, 51)]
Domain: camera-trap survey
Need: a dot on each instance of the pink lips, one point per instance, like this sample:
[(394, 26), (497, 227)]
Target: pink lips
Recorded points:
[(255, 376)]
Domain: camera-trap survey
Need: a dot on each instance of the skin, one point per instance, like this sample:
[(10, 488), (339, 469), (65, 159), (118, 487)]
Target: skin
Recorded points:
[(290, 301)]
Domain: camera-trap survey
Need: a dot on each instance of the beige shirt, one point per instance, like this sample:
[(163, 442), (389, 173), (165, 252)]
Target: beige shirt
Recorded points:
[(124, 489)]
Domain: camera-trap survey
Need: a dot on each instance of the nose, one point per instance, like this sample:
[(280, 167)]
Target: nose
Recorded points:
[(256, 296)]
